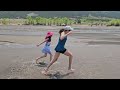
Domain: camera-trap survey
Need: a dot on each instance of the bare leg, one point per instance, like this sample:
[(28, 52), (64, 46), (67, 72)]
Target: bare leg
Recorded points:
[(51, 56), (45, 55), (68, 53), (53, 61)]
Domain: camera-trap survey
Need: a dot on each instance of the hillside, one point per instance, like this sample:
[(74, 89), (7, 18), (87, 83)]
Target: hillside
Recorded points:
[(23, 14)]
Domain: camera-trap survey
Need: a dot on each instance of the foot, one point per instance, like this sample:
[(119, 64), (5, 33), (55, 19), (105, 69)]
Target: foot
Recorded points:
[(71, 70), (44, 72), (37, 61)]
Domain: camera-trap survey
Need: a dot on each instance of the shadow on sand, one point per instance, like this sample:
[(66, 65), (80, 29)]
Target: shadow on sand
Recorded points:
[(57, 75), (42, 64), (103, 42), (7, 41)]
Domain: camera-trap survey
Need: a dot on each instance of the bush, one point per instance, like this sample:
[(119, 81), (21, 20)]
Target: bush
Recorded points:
[(114, 22), (5, 21)]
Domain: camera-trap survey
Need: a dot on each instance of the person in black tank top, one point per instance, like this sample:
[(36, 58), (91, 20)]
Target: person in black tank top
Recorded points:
[(60, 49)]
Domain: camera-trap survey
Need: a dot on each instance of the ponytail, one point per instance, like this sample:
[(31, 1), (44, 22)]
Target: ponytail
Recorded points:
[(61, 30)]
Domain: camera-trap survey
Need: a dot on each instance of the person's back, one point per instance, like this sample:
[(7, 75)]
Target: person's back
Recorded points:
[(61, 44)]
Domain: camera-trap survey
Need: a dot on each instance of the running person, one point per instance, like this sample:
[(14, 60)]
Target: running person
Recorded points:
[(46, 50), (61, 49)]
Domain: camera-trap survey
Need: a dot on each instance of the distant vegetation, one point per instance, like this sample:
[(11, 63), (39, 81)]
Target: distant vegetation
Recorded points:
[(60, 18), (38, 21), (51, 14), (49, 21), (7, 21), (62, 21), (114, 22)]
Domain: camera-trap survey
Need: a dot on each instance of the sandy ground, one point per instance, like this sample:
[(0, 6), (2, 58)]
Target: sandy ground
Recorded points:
[(96, 56)]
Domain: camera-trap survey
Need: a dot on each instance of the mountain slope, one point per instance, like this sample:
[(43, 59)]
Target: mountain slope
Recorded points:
[(23, 14)]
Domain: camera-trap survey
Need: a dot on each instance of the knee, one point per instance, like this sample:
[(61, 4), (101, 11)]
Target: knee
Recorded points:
[(71, 55), (56, 59), (45, 55)]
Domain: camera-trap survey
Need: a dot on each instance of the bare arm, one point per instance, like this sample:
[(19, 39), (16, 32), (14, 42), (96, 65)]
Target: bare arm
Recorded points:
[(63, 35), (42, 42)]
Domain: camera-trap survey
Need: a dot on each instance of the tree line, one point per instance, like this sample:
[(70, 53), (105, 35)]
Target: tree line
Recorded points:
[(61, 21)]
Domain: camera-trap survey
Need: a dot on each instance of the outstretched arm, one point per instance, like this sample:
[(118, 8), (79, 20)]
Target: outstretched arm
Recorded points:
[(42, 42), (63, 35)]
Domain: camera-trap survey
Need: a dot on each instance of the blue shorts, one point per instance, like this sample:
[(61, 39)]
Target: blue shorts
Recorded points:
[(46, 50)]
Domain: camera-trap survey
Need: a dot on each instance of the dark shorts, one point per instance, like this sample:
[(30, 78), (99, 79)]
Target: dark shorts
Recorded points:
[(62, 51)]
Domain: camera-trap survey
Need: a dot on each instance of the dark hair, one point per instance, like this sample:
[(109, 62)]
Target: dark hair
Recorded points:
[(49, 38), (67, 30), (61, 30)]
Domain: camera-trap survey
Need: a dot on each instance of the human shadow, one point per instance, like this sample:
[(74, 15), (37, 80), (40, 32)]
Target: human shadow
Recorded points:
[(57, 75), (7, 41), (42, 64)]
